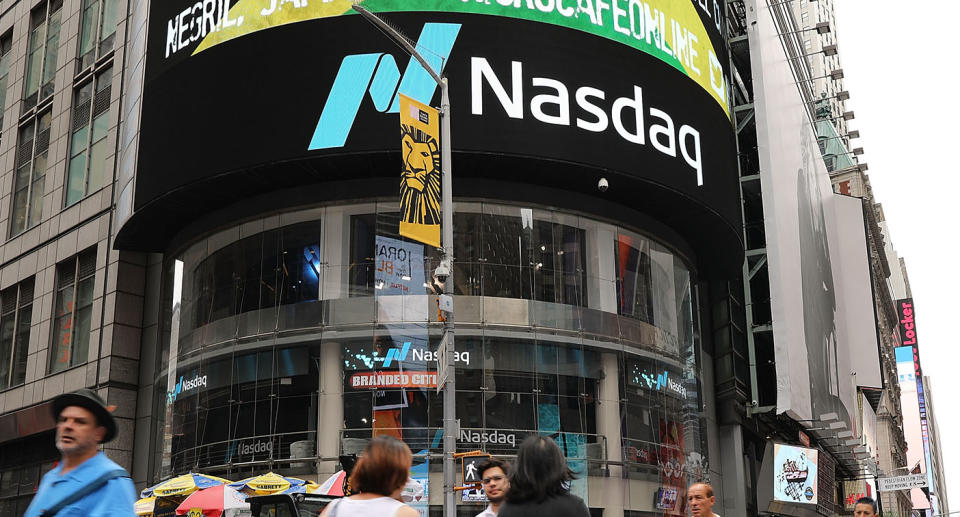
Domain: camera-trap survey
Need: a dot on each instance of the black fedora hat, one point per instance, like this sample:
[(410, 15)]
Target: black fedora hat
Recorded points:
[(89, 400)]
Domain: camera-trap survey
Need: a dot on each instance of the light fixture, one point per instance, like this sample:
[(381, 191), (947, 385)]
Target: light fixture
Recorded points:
[(836, 75), (857, 151), (853, 134), (829, 50), (821, 28)]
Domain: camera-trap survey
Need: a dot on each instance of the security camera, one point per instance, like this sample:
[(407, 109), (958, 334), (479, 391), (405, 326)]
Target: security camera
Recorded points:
[(603, 185), (442, 272)]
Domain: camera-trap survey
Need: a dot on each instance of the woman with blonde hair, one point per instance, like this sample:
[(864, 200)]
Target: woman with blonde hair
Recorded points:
[(379, 477)]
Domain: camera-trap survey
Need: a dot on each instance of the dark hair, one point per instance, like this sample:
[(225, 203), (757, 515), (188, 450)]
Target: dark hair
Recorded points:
[(383, 467), (492, 462), (867, 500), (540, 472)]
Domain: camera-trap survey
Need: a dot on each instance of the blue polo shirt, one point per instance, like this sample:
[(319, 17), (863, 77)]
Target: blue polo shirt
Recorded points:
[(115, 498)]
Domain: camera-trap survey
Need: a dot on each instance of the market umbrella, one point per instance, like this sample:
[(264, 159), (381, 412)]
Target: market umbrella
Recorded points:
[(145, 506), (183, 485), (154, 506), (215, 501), (307, 488), (332, 486), (269, 483)]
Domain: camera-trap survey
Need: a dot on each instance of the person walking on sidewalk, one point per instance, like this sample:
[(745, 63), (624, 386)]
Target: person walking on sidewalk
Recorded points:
[(700, 499), (379, 476), (539, 485), (85, 482), (493, 476)]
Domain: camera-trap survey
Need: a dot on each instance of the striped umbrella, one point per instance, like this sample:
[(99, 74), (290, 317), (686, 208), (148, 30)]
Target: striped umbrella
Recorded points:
[(307, 488), (183, 485), (333, 486), (218, 501), (269, 483)]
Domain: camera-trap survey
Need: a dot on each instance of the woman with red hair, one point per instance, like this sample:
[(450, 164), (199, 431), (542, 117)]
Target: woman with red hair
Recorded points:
[(379, 477)]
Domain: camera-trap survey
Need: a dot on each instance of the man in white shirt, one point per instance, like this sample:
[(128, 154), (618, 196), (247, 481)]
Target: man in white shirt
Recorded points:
[(700, 500), (493, 476)]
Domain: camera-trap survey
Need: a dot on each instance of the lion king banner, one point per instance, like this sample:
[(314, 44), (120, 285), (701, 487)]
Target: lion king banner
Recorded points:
[(420, 181)]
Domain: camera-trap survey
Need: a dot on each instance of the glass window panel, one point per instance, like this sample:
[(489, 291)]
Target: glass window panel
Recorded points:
[(6, 349), (100, 126), (22, 343), (19, 208), (88, 27), (5, 47), (78, 142), (469, 408), (362, 254), (34, 60), (36, 198), (301, 258), (509, 410), (634, 277), (250, 255), (78, 164), (109, 24), (50, 59)]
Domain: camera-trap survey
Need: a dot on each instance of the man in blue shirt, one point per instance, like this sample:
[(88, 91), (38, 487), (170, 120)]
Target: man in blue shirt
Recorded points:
[(83, 423)]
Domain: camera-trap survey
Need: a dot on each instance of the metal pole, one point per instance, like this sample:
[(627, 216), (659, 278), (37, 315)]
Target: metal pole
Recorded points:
[(449, 390), (450, 427)]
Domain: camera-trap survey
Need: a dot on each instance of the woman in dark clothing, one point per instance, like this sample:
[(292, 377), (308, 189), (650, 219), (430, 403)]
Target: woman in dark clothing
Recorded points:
[(539, 483)]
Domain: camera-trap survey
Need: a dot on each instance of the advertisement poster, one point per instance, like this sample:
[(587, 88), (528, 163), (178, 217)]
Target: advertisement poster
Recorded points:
[(794, 474), (416, 493), (420, 180), (672, 461)]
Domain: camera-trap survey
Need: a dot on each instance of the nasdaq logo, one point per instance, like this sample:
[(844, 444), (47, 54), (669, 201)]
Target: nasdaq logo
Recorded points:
[(399, 354), (662, 382), (184, 386), (378, 75)]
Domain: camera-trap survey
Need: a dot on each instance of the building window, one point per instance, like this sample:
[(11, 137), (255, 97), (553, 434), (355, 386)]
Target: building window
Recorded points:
[(16, 307), (74, 307), (97, 30), (6, 43), (88, 141), (42, 53), (32, 148)]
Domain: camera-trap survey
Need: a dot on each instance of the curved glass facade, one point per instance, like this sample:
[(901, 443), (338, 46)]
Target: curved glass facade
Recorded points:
[(302, 335)]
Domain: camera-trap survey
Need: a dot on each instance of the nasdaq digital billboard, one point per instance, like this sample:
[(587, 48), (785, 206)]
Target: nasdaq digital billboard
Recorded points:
[(629, 87)]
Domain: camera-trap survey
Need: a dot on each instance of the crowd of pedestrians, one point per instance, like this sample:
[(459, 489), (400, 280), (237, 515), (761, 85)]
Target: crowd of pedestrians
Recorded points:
[(85, 482)]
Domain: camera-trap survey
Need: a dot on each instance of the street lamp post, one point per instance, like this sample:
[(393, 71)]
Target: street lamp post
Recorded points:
[(446, 169)]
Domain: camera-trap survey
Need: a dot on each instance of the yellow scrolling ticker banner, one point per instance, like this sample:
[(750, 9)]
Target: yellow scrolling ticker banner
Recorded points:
[(420, 181)]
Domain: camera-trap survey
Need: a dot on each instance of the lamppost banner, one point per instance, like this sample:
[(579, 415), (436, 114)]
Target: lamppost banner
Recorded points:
[(420, 180)]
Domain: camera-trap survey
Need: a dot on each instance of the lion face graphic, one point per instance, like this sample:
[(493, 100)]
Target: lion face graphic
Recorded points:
[(420, 183)]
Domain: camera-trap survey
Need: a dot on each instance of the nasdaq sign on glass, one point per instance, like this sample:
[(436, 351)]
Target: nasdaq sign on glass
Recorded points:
[(378, 75)]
